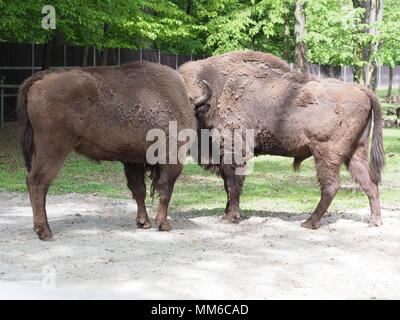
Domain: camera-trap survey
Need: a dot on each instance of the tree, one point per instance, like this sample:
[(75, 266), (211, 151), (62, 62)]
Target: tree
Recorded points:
[(247, 24), (346, 32), (21, 21), (104, 24), (389, 51), (287, 33), (333, 30), (372, 18), (300, 31)]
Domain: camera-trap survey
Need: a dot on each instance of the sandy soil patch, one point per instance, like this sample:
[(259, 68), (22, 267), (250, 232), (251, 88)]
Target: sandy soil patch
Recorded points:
[(98, 252)]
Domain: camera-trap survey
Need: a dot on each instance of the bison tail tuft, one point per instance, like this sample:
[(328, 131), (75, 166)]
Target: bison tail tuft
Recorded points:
[(377, 156), (154, 174)]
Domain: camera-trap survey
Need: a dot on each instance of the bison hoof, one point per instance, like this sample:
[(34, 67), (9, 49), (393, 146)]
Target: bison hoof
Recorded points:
[(375, 222), (143, 225), (231, 218), (164, 226), (43, 233), (310, 225)]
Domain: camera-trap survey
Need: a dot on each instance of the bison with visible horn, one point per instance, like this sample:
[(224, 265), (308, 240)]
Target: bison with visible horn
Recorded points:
[(103, 113), (294, 115)]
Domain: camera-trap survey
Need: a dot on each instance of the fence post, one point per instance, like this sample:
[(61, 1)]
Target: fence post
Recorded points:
[(119, 56), (379, 76), (159, 56), (2, 108), (33, 58), (176, 61), (94, 56), (65, 55), (141, 54)]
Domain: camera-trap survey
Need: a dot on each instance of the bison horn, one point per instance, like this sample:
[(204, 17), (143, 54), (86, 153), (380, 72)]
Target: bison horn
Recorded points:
[(203, 99)]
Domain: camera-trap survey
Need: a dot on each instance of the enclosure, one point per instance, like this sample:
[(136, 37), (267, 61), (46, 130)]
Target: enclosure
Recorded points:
[(98, 252)]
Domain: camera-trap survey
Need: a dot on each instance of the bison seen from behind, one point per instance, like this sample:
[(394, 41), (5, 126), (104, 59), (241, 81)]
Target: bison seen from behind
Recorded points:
[(293, 115), (103, 113)]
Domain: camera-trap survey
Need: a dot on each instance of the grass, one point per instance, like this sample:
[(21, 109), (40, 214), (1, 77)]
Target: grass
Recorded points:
[(272, 186)]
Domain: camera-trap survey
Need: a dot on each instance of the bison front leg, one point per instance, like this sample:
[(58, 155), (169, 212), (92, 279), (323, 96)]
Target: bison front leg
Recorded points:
[(134, 173), (165, 185), (329, 180), (233, 184)]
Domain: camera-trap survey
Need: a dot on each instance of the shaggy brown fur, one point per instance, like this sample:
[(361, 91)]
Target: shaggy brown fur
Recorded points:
[(103, 113), (293, 115)]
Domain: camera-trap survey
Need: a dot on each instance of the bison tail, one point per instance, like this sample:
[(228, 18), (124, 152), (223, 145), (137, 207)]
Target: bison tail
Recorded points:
[(26, 130), (377, 156), (154, 173)]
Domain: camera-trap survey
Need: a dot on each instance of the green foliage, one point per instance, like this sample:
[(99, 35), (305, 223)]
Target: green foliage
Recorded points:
[(132, 23), (389, 52), (334, 27), (17, 21), (334, 31), (247, 24)]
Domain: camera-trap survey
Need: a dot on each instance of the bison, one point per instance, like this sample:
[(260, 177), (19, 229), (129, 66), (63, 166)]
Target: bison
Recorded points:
[(293, 115), (103, 113)]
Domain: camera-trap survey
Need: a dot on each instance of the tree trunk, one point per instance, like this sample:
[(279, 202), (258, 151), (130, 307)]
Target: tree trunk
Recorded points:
[(46, 58), (85, 54), (299, 31), (104, 57), (373, 14), (389, 93), (189, 7), (286, 36), (358, 74), (370, 75)]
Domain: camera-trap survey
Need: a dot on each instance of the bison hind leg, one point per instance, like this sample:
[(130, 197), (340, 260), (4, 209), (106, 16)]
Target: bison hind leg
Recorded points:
[(49, 156), (164, 182), (361, 172)]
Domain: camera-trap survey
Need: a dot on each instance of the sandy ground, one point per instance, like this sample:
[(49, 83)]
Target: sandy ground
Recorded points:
[(98, 252)]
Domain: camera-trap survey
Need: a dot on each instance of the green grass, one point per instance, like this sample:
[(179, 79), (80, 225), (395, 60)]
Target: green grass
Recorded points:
[(272, 186)]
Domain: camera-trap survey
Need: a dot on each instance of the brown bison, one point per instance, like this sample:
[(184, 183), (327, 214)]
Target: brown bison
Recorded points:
[(103, 113), (293, 115)]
